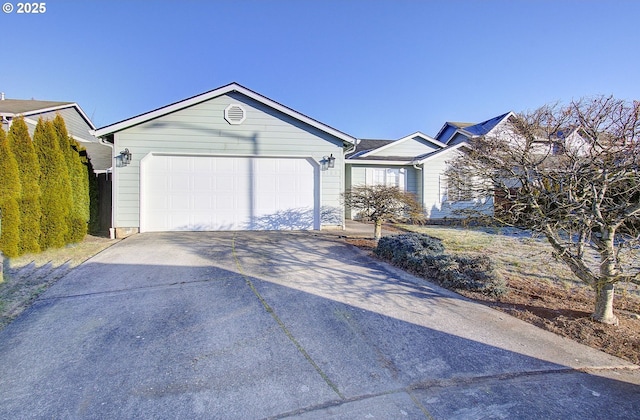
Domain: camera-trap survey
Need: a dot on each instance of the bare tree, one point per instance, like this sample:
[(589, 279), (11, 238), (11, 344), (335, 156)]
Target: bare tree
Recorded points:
[(380, 203), (570, 173)]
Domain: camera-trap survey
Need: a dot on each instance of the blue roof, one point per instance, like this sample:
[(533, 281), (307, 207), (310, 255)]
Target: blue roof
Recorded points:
[(484, 127)]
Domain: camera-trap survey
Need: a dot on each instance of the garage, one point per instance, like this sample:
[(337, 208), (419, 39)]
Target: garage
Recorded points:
[(206, 193), (227, 159)]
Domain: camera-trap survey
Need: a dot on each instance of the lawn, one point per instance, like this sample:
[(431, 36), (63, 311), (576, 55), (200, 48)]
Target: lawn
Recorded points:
[(542, 290), (27, 276)]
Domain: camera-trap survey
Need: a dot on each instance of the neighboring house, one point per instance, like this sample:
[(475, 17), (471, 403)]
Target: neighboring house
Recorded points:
[(79, 127), (417, 164), (454, 133), (227, 159), (77, 122)]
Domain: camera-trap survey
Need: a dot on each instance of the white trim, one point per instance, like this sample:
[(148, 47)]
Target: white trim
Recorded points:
[(187, 154), (440, 152), (450, 124), (317, 180), (379, 162), (54, 108), (471, 135), (115, 182), (230, 119), (403, 139), (233, 87)]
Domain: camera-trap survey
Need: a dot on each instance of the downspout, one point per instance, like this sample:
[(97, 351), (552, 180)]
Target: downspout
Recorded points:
[(351, 149), (420, 168)]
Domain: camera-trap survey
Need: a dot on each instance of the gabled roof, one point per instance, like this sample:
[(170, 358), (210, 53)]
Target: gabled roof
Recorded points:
[(23, 106), (424, 158), (232, 87), (31, 110), (450, 124), (366, 145), (402, 140), (485, 127), (366, 149), (27, 107)]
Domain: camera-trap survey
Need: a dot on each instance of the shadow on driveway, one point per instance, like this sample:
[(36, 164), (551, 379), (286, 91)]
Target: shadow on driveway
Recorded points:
[(275, 325)]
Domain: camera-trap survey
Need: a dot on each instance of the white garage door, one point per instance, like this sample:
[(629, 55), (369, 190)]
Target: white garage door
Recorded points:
[(227, 193)]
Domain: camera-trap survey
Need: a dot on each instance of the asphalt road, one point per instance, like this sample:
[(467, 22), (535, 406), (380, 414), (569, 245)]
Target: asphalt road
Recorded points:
[(286, 325)]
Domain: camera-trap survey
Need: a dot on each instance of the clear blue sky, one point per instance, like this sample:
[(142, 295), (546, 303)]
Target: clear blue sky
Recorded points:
[(373, 69)]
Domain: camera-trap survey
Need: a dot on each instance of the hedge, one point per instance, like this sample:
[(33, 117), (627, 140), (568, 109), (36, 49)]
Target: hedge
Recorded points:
[(29, 172), (54, 184), (424, 255), (9, 194)]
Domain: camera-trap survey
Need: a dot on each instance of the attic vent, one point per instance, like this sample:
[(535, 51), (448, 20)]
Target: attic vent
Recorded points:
[(235, 114)]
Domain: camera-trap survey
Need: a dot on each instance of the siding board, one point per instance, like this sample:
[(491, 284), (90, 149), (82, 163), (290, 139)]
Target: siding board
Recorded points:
[(202, 129)]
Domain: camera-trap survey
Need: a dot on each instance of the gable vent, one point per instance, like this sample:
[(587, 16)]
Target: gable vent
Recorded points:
[(235, 114)]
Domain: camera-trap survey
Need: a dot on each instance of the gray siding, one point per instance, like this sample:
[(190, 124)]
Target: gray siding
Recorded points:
[(78, 127), (355, 175), (202, 129), (434, 202)]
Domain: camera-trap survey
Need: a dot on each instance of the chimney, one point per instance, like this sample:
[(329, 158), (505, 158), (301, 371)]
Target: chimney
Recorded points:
[(2, 96)]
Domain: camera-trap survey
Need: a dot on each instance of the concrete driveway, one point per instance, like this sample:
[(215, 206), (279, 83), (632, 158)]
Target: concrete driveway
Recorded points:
[(278, 325)]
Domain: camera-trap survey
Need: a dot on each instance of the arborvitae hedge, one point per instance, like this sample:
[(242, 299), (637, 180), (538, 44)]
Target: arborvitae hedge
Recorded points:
[(54, 184), (79, 183), (9, 194), (29, 172)]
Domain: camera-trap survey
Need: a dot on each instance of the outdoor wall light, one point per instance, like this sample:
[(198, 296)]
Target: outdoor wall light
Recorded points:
[(125, 157), (328, 162)]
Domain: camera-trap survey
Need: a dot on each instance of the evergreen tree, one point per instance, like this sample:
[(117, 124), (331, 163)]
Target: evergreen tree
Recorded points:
[(29, 172), (79, 210), (9, 194), (54, 185)]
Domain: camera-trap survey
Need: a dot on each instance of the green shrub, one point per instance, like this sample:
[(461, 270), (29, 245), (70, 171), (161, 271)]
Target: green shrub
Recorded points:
[(55, 186), (424, 255), (399, 248), (10, 236), (9, 194), (78, 182), (474, 273), (29, 173)]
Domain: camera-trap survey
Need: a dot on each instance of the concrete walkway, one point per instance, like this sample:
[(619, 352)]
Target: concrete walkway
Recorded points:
[(286, 325)]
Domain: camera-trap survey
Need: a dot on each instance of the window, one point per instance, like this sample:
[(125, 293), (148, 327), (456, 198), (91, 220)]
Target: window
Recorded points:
[(391, 177), (457, 190)]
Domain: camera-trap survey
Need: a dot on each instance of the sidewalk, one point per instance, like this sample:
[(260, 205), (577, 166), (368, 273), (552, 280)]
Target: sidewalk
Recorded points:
[(354, 229)]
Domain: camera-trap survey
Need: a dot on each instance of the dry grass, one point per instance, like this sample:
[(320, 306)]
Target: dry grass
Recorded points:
[(543, 291), (27, 276)]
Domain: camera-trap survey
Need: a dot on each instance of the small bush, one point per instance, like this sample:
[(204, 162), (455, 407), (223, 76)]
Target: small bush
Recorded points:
[(476, 274), (424, 256), (399, 248)]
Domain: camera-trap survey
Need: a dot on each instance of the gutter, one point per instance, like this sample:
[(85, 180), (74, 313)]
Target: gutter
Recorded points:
[(353, 147)]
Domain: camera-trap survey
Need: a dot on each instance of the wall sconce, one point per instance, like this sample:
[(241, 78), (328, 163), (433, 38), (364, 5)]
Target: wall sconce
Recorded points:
[(125, 157), (328, 162)]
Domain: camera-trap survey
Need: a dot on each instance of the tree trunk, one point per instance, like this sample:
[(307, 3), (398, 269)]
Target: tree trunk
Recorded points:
[(377, 232), (604, 305), (604, 286)]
